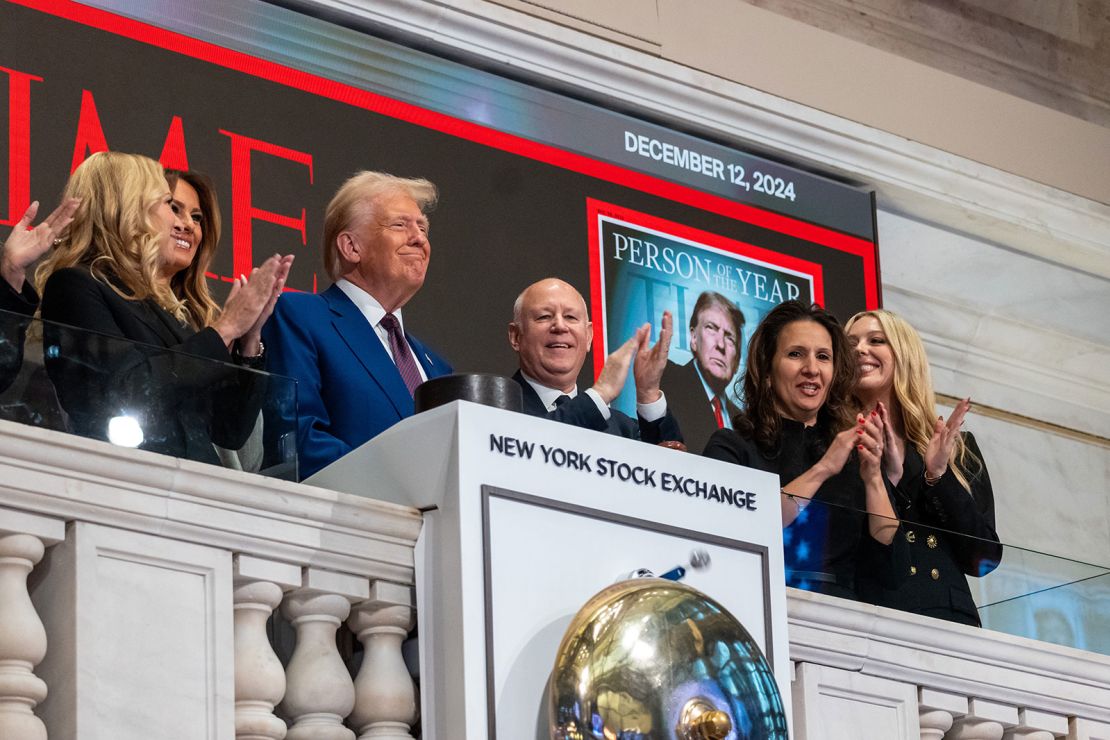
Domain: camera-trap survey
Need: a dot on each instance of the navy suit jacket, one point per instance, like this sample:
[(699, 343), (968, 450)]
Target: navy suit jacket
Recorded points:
[(686, 398), (348, 388), (581, 411)]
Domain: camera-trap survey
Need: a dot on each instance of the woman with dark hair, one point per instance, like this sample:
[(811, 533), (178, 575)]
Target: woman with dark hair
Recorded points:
[(799, 422), (131, 266), (942, 490)]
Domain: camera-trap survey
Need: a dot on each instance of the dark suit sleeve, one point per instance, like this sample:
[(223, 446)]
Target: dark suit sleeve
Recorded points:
[(889, 563), (291, 344), (13, 328), (580, 411), (949, 506), (663, 429), (727, 445), (107, 367)]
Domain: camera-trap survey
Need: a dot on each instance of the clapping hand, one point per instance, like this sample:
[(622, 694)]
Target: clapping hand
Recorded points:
[(870, 443), (251, 302), (945, 433), (651, 361)]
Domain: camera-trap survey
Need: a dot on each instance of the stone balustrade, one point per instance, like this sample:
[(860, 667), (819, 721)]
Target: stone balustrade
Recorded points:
[(136, 592)]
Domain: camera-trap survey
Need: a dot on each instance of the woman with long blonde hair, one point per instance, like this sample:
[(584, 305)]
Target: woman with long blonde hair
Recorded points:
[(131, 266), (942, 489)]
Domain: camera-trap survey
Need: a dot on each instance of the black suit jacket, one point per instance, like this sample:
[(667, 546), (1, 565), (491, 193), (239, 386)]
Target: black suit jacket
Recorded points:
[(13, 328), (581, 411), (950, 532), (686, 399), (183, 404)]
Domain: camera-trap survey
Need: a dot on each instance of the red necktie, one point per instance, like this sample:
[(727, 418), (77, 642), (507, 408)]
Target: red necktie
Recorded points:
[(402, 355), (717, 412)]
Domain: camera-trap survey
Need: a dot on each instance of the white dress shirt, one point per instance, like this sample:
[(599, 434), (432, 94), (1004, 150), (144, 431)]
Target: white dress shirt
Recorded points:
[(374, 313), (649, 411)]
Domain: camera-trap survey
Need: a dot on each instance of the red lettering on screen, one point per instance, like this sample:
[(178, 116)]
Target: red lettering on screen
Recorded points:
[(243, 210), (173, 154), (90, 134), (19, 143)]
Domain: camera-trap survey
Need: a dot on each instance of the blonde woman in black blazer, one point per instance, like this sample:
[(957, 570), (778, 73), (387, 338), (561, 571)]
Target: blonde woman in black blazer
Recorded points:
[(131, 266), (942, 490)]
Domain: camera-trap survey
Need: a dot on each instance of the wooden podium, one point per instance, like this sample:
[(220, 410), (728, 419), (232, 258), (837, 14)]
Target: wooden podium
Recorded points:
[(525, 519)]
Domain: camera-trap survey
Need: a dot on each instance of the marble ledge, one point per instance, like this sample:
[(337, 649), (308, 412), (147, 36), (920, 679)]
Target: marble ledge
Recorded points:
[(951, 658), (65, 476)]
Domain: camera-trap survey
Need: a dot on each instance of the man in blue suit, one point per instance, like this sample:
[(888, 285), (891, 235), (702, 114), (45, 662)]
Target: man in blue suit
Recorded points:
[(551, 334), (356, 367)]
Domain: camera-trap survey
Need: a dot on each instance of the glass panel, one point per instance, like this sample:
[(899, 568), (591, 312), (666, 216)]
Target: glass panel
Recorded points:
[(1010, 588), (137, 395)]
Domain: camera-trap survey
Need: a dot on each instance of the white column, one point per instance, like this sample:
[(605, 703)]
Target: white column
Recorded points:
[(385, 697), (320, 693), (1036, 725), (936, 711), (22, 636), (985, 720), (259, 676)]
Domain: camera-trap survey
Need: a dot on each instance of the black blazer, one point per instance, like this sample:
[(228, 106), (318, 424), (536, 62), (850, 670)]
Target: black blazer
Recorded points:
[(829, 543), (686, 399), (13, 328), (581, 411), (183, 404), (950, 533)]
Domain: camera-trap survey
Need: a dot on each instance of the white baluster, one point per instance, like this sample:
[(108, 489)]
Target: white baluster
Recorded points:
[(320, 693), (934, 723), (22, 640), (936, 711), (385, 697), (259, 677)]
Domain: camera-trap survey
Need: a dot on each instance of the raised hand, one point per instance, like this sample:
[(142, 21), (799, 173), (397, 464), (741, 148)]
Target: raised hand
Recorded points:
[(870, 444), (651, 362), (249, 298), (832, 462), (615, 372), (945, 434), (894, 449), (25, 244), (250, 344)]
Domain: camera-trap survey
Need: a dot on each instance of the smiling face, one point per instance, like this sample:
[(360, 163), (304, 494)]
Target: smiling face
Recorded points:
[(802, 370), (876, 359), (552, 334), (389, 248), (186, 230), (715, 346), (176, 252)]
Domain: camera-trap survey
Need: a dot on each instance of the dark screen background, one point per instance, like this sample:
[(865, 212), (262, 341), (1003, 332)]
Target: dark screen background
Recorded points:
[(504, 220)]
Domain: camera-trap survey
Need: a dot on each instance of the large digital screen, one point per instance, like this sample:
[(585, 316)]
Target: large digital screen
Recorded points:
[(532, 183)]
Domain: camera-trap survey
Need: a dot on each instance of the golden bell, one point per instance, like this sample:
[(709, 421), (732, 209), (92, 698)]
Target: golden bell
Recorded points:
[(648, 659)]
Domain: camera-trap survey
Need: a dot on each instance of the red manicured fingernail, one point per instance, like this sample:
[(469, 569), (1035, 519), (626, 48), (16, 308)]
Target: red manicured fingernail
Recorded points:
[(862, 420), (874, 413), (860, 446), (859, 431)]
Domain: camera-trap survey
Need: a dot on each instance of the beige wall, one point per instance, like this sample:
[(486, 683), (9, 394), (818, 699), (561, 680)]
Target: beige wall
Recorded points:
[(737, 41)]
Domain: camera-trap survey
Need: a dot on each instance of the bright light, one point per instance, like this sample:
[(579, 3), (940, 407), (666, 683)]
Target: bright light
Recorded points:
[(125, 431)]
